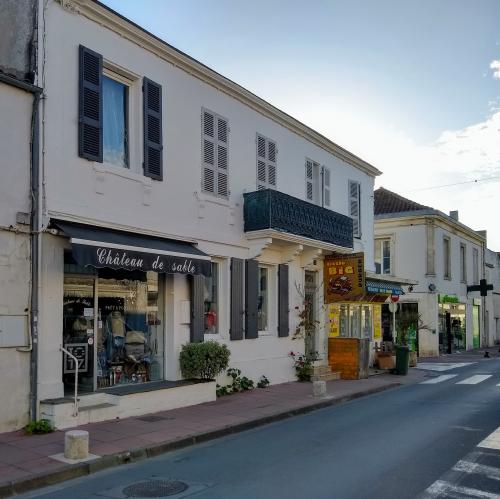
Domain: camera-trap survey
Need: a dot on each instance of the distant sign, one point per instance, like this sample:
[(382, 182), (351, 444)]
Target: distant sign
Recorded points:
[(448, 299), (81, 352), (344, 277)]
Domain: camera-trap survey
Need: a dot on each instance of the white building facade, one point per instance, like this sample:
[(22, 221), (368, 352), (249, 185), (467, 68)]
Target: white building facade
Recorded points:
[(444, 256), (177, 207)]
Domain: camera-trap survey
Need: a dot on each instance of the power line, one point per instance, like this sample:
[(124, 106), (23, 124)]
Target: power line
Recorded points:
[(489, 179)]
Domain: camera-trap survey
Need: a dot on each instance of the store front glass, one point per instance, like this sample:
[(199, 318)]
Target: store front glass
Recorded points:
[(451, 327), (351, 320), (112, 324)]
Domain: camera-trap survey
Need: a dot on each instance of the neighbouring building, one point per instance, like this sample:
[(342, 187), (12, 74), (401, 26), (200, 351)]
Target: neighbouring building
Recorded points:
[(18, 146), (492, 300), (177, 207), (444, 256)]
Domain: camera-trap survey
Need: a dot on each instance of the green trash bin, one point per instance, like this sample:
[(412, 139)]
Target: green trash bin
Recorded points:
[(402, 359)]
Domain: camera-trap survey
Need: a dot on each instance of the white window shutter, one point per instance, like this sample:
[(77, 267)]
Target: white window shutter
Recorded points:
[(354, 207), (208, 132), (309, 180), (215, 132), (326, 187), (222, 158), (266, 163)]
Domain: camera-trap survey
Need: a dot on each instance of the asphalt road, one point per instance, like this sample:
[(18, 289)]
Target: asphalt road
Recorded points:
[(414, 441)]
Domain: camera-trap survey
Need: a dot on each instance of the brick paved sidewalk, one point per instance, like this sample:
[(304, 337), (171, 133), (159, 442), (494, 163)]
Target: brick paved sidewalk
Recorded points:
[(464, 356), (25, 463)]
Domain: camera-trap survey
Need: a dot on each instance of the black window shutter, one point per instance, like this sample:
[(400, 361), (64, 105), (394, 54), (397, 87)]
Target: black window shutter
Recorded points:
[(236, 326), (153, 138), (90, 105), (283, 307), (251, 298), (197, 308)]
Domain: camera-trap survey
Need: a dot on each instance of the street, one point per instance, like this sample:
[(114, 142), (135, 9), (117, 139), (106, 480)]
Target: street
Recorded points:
[(415, 441)]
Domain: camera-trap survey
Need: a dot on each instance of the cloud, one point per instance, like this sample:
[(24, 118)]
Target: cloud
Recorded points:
[(495, 65)]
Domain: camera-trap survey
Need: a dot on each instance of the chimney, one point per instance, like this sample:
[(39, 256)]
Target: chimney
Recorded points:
[(482, 233), (454, 215)]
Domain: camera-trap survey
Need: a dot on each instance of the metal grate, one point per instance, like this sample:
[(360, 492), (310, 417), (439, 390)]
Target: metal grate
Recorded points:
[(155, 488)]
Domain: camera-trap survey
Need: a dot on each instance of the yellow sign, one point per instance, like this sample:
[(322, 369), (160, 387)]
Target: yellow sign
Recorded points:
[(344, 277), (377, 322), (334, 321)]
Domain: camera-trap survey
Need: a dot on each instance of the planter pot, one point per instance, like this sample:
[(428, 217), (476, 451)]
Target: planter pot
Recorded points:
[(413, 359), (385, 361)]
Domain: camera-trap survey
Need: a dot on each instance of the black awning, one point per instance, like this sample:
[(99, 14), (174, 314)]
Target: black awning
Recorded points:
[(101, 247)]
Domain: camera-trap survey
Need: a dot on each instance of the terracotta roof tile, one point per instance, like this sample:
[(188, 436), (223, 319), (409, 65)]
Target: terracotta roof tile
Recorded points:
[(390, 202)]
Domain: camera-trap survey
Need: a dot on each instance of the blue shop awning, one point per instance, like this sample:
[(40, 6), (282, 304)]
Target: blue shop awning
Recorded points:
[(383, 287), (109, 248)]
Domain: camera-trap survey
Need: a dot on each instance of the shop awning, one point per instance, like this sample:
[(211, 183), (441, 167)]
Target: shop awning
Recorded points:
[(383, 287), (107, 248)]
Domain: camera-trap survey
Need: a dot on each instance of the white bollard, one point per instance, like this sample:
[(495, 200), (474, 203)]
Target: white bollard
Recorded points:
[(76, 444), (319, 389)]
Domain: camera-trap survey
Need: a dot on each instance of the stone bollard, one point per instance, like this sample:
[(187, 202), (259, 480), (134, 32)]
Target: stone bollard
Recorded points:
[(76, 444), (319, 389)]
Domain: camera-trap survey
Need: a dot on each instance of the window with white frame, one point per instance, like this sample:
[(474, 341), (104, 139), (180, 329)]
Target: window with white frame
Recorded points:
[(115, 121), (215, 156), (211, 301), (355, 207), (383, 256), (447, 257), (318, 183), (463, 262), (266, 163), (475, 265)]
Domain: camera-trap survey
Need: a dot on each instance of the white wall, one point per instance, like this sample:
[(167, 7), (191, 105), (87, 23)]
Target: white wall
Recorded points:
[(15, 127)]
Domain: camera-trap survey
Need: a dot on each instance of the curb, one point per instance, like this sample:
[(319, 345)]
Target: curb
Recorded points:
[(69, 472)]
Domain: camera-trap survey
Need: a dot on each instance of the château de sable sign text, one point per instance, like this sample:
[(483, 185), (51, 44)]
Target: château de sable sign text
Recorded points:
[(100, 257)]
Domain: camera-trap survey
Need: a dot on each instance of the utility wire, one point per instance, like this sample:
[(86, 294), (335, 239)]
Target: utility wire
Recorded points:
[(489, 179)]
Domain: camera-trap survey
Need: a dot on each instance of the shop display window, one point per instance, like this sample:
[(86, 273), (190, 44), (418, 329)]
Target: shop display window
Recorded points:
[(211, 301), (112, 320)]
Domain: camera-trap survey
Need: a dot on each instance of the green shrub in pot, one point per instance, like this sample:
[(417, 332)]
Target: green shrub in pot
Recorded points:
[(203, 360)]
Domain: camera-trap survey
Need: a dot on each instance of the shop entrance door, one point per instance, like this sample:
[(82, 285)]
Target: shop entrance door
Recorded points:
[(78, 332), (475, 326), (310, 298)]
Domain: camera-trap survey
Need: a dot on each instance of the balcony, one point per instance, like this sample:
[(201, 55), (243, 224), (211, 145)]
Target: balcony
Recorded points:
[(270, 209)]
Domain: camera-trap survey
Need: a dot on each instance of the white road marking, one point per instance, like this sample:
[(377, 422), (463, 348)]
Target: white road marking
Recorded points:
[(438, 379), (479, 469), (474, 380), (440, 487), (442, 366), (492, 441)]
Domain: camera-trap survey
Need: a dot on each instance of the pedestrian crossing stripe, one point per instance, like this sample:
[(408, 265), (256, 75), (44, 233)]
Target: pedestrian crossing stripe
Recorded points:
[(438, 379), (474, 380), (441, 488), (442, 366), (492, 441), (471, 380)]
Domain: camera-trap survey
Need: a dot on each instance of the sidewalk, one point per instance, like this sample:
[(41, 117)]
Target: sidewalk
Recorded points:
[(25, 463), (464, 356)]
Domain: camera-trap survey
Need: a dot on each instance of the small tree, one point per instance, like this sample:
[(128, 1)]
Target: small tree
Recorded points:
[(203, 360)]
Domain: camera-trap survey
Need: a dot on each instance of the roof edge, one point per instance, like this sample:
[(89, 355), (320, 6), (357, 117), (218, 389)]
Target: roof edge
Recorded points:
[(104, 15)]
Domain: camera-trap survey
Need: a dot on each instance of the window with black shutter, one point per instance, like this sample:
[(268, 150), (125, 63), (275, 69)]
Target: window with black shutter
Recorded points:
[(252, 306), (283, 301), (90, 121), (153, 140), (237, 310)]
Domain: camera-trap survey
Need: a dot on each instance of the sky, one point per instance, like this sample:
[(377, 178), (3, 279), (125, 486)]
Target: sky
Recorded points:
[(411, 86)]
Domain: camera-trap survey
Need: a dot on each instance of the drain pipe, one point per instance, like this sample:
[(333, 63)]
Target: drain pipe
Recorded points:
[(35, 232)]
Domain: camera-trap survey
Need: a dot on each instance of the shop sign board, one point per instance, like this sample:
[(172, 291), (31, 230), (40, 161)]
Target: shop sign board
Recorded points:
[(344, 277), (448, 299), (382, 288), (81, 352), (334, 320), (377, 322), (129, 259)]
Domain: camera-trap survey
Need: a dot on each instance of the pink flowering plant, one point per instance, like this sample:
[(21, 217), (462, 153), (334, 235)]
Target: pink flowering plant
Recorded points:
[(302, 365)]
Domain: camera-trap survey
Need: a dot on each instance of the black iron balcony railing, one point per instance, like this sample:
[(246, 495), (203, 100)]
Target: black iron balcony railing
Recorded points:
[(270, 209)]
